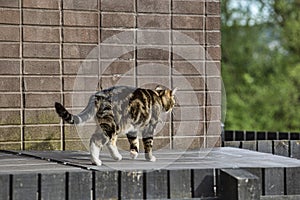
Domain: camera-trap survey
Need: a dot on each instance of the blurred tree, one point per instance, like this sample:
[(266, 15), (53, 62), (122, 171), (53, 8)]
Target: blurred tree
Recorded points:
[(260, 64)]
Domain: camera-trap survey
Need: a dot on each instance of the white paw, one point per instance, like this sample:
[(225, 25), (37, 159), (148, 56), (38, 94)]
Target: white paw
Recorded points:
[(133, 154), (152, 159), (96, 162), (117, 157)]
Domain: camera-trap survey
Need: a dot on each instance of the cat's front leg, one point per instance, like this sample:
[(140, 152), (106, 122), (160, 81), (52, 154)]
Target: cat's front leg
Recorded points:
[(134, 144), (148, 144), (97, 141), (113, 149)]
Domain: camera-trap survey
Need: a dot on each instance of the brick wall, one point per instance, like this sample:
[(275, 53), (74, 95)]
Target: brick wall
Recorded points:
[(48, 47)]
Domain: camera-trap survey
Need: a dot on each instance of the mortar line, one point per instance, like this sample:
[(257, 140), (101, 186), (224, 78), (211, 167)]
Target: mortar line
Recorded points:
[(62, 130), (22, 86)]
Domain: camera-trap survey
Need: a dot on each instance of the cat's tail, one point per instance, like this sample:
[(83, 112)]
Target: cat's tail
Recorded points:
[(80, 118)]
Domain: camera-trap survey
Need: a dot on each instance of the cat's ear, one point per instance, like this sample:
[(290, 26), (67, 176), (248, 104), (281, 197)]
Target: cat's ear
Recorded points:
[(158, 88), (174, 91)]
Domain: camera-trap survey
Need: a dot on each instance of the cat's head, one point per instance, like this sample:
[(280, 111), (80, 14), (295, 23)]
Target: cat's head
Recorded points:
[(167, 98)]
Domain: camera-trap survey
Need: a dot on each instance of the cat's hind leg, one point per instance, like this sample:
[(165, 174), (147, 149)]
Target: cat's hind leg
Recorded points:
[(97, 141), (134, 144), (113, 149), (148, 144)]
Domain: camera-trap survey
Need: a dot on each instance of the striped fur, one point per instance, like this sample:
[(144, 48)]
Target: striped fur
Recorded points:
[(122, 110)]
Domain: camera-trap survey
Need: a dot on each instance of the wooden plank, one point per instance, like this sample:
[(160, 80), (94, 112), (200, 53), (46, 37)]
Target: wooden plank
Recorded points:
[(79, 185), (281, 147), (53, 186), (280, 197), (5, 187), (234, 184), (292, 181), (257, 172), (180, 184), (250, 145), (295, 148), (203, 183), (132, 185), (157, 184), (265, 146), (235, 144), (25, 187), (273, 181), (106, 185)]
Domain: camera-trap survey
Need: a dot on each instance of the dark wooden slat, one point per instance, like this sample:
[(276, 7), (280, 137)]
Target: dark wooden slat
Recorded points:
[(293, 181), (265, 146), (106, 185), (235, 183), (273, 181), (295, 148), (280, 197), (79, 185), (250, 145), (25, 186), (132, 185), (203, 183), (257, 172), (281, 147), (157, 184), (180, 184), (4, 187), (53, 186)]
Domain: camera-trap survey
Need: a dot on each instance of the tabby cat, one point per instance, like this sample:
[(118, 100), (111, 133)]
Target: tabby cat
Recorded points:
[(122, 110)]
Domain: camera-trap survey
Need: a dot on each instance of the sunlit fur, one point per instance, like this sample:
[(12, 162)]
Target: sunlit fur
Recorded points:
[(122, 110)]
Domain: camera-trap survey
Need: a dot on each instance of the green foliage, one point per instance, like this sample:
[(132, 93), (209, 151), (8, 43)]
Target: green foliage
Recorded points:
[(261, 65)]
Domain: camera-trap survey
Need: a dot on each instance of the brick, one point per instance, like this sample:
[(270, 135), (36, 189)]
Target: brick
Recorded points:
[(41, 100), (212, 142), (109, 81), (43, 145), (154, 21), (48, 67), (188, 22), (77, 99), (213, 8), (10, 134), (10, 100), (41, 117), (162, 129), (155, 53), (189, 98), (78, 18), (117, 52), (213, 53), (118, 5), (42, 84), (213, 68), (150, 37), (188, 68), (72, 133), (213, 128), (159, 143), (9, 67), (10, 146), (118, 20), (53, 4), (75, 145), (213, 38), (188, 52), (10, 84), (188, 37), (154, 6), (188, 113), (9, 50), (213, 84), (83, 83), (154, 68), (80, 51), (117, 36), (213, 98), (188, 128), (10, 117), (9, 16), (188, 7), (80, 4), (10, 33), (213, 113), (36, 133), (189, 83), (41, 34), (80, 67), (10, 3), (41, 50), (213, 23), (80, 35), (41, 17), (190, 143), (121, 67)]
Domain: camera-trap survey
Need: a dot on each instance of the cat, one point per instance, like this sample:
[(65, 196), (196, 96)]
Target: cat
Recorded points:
[(122, 110)]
